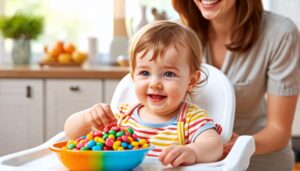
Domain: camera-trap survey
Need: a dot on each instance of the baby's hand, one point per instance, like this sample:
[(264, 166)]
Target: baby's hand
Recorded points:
[(178, 155), (99, 115)]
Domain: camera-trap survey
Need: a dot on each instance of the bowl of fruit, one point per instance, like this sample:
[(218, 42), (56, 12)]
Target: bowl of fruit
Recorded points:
[(63, 54), (114, 148)]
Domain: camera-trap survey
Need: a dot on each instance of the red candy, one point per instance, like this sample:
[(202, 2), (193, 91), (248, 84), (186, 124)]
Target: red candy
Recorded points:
[(113, 137)]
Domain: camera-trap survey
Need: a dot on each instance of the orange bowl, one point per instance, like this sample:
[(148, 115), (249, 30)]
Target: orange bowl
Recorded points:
[(99, 160)]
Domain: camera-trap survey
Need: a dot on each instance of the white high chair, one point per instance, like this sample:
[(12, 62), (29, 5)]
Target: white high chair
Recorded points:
[(217, 97)]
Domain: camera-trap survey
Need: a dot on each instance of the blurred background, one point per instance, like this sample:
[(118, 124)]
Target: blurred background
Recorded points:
[(103, 27)]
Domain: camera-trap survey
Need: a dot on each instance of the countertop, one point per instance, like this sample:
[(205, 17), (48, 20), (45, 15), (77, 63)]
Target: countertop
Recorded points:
[(83, 72)]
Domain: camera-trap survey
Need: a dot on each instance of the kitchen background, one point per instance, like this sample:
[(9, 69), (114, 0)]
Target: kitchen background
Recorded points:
[(99, 27)]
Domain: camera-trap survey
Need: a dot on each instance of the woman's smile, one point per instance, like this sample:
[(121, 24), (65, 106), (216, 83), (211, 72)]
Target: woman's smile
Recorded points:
[(209, 2)]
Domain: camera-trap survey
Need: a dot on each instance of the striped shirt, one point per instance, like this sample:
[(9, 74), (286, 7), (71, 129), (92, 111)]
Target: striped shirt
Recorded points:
[(165, 134)]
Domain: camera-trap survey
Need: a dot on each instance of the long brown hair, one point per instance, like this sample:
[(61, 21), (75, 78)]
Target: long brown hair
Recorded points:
[(246, 27)]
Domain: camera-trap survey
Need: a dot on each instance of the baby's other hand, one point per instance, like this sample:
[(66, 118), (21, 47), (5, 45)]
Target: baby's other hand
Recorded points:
[(178, 155), (99, 115)]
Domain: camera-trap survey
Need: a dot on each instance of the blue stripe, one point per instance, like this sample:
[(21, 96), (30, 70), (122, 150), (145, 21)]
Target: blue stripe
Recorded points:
[(136, 116), (203, 128)]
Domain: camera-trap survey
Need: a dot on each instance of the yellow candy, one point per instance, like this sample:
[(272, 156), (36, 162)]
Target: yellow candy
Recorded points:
[(101, 140), (96, 139), (135, 144), (71, 142), (116, 145), (64, 148), (145, 146), (89, 136), (111, 136), (130, 139), (121, 148), (142, 141)]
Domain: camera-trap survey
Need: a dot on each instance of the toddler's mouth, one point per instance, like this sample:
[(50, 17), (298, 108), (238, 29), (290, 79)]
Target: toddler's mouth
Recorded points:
[(156, 97)]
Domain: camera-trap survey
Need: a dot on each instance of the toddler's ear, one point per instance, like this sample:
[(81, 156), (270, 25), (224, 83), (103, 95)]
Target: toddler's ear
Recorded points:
[(194, 80)]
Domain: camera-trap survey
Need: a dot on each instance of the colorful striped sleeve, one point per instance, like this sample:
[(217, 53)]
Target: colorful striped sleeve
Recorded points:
[(197, 121)]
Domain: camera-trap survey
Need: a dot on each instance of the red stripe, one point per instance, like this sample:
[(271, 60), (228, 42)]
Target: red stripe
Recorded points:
[(156, 150), (192, 132), (146, 132), (172, 128), (182, 113), (218, 128), (152, 155), (199, 121)]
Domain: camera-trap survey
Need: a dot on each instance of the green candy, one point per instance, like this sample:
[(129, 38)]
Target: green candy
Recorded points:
[(84, 148), (112, 132), (105, 135), (130, 131), (71, 146), (119, 134), (99, 144)]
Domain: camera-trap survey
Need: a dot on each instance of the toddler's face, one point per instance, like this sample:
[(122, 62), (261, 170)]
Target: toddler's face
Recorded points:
[(161, 84)]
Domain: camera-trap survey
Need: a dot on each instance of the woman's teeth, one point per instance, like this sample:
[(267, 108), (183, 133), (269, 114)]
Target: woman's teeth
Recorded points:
[(209, 2)]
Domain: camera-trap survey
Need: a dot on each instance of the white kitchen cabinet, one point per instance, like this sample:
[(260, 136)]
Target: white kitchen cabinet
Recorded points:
[(296, 123), (21, 114), (109, 88), (67, 96)]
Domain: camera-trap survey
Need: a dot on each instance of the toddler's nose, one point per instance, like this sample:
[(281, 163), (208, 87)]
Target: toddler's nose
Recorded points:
[(155, 83)]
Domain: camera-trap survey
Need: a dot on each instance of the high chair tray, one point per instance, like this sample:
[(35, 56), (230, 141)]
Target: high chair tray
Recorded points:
[(41, 158)]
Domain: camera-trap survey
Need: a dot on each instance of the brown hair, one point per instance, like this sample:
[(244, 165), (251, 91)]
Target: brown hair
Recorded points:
[(246, 28), (158, 36)]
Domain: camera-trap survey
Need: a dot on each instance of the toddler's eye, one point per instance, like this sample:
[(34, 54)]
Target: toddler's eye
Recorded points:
[(144, 73), (169, 74)]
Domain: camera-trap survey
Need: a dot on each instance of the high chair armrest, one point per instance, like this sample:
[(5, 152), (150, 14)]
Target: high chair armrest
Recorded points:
[(61, 136), (239, 156)]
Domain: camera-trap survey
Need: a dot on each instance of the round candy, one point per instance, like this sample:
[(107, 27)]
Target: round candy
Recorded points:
[(113, 137)]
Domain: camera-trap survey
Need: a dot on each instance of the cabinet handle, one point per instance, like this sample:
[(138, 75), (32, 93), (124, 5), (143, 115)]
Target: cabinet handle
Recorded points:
[(28, 91), (74, 88)]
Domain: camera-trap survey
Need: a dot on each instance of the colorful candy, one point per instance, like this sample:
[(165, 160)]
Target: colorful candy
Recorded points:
[(113, 137)]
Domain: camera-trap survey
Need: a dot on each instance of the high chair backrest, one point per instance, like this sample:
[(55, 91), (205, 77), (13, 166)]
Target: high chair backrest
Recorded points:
[(216, 97)]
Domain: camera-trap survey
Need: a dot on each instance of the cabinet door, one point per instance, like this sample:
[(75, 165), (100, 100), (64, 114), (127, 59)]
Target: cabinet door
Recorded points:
[(109, 88), (21, 113), (65, 97), (296, 124)]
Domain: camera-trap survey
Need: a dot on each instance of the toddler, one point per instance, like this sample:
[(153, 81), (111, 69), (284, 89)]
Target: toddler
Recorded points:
[(165, 67)]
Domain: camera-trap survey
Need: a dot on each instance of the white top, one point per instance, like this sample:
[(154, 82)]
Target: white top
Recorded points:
[(271, 65)]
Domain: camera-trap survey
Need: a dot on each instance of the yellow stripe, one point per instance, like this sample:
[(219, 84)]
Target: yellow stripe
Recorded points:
[(132, 123), (168, 133), (165, 138), (180, 132), (160, 144)]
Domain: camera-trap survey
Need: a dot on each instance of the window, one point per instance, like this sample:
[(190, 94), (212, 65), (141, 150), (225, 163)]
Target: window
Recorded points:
[(76, 20), (68, 20)]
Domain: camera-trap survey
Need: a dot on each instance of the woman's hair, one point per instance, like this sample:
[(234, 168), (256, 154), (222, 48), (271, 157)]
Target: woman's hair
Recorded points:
[(245, 30), (158, 36)]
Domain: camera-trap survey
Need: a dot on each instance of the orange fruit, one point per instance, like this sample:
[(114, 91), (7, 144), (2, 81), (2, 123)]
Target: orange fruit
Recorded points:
[(70, 48), (65, 58), (79, 57)]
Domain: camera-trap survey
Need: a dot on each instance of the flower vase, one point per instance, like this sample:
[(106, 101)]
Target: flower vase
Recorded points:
[(21, 51)]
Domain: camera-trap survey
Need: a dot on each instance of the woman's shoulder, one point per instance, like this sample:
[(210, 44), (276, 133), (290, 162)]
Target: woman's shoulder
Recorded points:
[(276, 24)]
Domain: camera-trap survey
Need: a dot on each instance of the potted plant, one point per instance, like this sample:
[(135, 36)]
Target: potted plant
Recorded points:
[(22, 28)]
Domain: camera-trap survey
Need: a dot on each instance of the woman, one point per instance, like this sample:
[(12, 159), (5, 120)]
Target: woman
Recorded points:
[(259, 52)]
